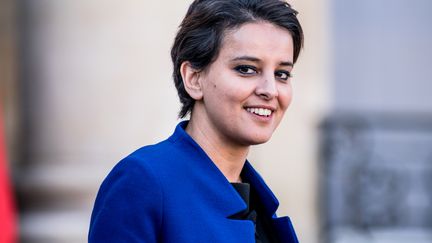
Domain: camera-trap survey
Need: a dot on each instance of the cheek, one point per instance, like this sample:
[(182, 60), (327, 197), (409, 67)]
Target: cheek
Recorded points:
[(221, 96), (237, 92), (227, 88), (285, 96)]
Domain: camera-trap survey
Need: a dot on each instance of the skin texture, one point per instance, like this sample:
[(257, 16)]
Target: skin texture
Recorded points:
[(251, 71)]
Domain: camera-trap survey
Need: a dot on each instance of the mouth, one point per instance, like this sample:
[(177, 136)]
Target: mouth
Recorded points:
[(263, 112)]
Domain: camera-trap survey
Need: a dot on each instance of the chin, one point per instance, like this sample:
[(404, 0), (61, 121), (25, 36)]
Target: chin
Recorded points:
[(259, 140)]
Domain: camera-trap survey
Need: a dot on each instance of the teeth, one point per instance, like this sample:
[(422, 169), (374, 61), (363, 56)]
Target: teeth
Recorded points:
[(260, 111)]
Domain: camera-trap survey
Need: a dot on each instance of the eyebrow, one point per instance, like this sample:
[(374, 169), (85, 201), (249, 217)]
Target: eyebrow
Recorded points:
[(254, 59)]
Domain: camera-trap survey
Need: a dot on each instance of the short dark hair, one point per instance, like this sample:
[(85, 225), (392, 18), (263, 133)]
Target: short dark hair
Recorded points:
[(201, 32)]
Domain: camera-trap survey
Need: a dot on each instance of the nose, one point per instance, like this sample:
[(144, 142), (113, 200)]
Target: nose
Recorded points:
[(266, 88)]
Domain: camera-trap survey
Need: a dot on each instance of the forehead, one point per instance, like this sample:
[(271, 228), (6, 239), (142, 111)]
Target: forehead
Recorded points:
[(259, 39)]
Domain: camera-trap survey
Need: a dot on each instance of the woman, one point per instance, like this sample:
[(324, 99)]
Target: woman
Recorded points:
[(232, 68)]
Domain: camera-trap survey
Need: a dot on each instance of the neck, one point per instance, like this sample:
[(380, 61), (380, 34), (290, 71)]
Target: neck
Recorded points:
[(228, 158)]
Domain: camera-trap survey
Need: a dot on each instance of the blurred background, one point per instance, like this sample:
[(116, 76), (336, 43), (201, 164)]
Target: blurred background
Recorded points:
[(84, 83)]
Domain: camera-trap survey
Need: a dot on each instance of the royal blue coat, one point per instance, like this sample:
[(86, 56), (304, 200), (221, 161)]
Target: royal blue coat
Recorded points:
[(172, 192)]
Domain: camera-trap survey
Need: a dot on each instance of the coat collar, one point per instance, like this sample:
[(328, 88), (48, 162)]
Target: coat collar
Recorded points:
[(221, 193), (282, 225), (224, 197)]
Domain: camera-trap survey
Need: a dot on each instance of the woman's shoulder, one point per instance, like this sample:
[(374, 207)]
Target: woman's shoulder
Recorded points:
[(146, 163), (128, 200), (155, 157), (133, 171)]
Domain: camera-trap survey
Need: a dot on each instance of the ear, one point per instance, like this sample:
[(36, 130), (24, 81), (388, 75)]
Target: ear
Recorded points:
[(191, 80)]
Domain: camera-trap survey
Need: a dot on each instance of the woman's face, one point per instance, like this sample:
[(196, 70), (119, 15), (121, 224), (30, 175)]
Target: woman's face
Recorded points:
[(247, 89)]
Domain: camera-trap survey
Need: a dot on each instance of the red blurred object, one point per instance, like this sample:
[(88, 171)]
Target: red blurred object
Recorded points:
[(8, 227)]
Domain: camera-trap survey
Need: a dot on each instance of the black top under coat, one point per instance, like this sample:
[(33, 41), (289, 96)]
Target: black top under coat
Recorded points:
[(254, 212)]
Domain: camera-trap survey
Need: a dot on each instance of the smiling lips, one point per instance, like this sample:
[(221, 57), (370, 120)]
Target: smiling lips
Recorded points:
[(260, 111)]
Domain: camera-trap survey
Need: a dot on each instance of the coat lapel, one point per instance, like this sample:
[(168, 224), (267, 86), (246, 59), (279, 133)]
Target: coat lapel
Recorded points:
[(282, 225), (221, 195), (207, 177)]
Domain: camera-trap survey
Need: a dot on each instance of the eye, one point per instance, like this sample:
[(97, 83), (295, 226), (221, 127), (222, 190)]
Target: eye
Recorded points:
[(283, 75), (245, 69)]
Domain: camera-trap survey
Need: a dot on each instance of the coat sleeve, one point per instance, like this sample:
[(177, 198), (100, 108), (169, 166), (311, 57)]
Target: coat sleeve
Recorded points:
[(128, 207)]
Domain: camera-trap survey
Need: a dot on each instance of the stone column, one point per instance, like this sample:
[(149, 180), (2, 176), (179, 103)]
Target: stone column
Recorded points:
[(9, 85), (97, 85)]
